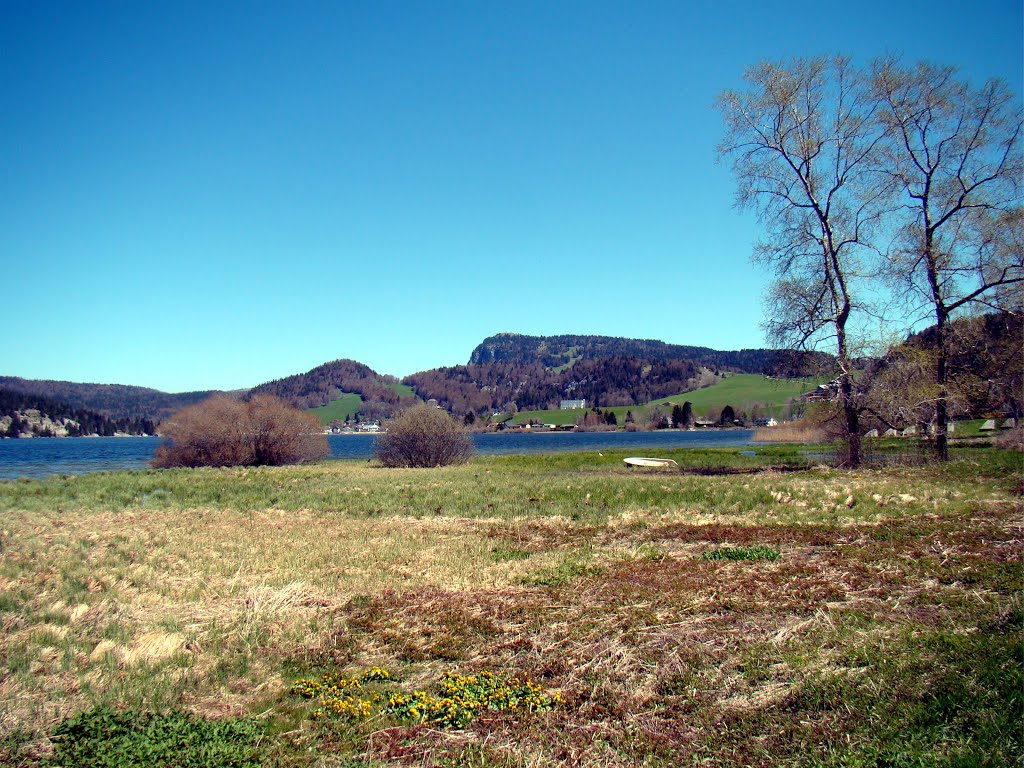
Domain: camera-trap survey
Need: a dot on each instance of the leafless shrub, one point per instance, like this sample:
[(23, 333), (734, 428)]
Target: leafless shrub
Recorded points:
[(423, 436), (222, 432)]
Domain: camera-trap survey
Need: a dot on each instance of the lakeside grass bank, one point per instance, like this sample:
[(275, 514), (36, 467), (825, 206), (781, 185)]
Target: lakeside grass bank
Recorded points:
[(880, 620)]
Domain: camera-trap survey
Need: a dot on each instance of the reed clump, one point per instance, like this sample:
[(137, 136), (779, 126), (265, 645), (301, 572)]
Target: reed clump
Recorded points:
[(803, 431)]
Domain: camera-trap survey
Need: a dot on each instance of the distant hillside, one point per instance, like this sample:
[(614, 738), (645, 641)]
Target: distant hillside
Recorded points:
[(23, 415), (560, 351), (606, 382), (114, 401), (381, 395), (536, 372)]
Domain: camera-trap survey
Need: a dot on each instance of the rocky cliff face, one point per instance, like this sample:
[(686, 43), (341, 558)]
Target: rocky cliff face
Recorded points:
[(32, 423)]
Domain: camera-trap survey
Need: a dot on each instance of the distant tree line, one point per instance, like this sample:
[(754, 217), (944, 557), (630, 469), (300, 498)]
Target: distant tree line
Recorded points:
[(15, 404), (115, 401), (596, 420)]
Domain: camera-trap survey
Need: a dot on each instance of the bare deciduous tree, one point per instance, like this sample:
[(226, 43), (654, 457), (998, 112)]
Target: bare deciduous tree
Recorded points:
[(902, 390), (223, 432), (954, 155), (985, 374), (802, 138)]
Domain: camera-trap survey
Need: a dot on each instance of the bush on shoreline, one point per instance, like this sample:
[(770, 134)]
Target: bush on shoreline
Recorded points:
[(423, 436), (221, 432)]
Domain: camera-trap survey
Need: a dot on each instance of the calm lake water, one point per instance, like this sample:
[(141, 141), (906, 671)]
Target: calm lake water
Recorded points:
[(41, 457)]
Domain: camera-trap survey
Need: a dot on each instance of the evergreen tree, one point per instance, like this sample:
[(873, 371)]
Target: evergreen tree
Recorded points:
[(677, 416)]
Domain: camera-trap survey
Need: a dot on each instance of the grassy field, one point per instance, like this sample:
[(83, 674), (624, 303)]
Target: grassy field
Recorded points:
[(403, 390), (548, 417), (554, 610), (741, 388), (343, 408), (736, 390)]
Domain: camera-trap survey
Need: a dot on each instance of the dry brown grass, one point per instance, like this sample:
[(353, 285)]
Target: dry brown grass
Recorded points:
[(793, 432), (664, 658), (654, 655), (160, 597)]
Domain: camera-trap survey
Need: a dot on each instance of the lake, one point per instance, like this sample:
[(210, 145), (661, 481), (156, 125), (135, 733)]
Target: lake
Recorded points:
[(41, 457)]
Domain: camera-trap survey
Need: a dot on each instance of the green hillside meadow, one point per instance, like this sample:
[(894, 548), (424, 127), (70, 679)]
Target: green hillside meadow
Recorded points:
[(737, 390), (743, 388), (403, 390), (343, 408)]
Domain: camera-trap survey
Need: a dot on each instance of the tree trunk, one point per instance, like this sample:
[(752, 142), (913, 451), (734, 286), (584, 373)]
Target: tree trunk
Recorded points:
[(851, 423), (851, 412), (941, 400), (941, 315)]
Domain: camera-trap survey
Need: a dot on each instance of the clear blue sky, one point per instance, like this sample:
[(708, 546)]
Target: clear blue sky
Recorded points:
[(201, 195)]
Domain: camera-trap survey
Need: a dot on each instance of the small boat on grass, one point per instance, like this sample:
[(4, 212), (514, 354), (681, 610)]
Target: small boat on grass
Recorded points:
[(643, 461)]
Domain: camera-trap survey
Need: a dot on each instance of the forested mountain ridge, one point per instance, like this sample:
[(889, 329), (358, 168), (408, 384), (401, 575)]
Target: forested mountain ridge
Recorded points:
[(114, 401), (560, 351), (536, 372)]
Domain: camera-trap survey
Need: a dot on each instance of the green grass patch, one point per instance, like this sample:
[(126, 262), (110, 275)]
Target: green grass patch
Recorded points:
[(348, 404), (758, 552), (507, 554), (107, 738), (402, 390), (345, 407), (961, 703), (566, 572), (972, 428)]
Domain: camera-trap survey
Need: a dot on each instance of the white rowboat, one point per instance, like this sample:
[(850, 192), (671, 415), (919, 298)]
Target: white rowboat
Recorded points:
[(640, 461)]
